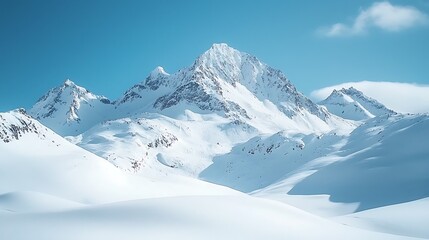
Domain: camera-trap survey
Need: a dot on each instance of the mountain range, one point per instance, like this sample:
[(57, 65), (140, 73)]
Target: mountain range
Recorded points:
[(226, 127)]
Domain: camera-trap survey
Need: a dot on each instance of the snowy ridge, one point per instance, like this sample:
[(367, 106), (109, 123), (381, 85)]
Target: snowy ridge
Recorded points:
[(150, 143), (211, 84), (232, 84), (15, 124), (353, 104), (70, 109)]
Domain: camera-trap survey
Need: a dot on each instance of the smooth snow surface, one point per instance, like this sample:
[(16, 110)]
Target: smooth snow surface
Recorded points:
[(407, 219), (192, 217)]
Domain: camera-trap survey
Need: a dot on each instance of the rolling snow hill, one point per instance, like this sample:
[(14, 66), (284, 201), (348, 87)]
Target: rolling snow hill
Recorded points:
[(188, 217), (55, 189), (33, 158)]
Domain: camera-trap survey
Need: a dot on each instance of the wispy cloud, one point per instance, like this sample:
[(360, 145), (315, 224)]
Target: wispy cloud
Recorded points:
[(382, 15), (400, 97)]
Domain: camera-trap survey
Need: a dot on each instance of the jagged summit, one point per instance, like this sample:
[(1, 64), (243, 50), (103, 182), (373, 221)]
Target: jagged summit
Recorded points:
[(218, 54), (353, 104), (65, 105), (222, 80), (220, 46), (69, 82)]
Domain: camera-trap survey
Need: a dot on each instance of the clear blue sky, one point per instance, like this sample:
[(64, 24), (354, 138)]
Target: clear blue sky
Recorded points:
[(107, 46)]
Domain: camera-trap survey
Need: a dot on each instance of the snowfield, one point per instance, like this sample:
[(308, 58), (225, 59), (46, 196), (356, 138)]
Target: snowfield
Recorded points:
[(226, 148), (55, 189), (190, 217)]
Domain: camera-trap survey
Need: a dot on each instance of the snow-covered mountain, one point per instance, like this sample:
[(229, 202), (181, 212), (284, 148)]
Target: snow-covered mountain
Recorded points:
[(227, 119), (208, 83), (224, 81), (353, 104), (231, 83), (162, 122), (70, 109)]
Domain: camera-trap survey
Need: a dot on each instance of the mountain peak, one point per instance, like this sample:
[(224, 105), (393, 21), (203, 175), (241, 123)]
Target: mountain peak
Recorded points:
[(353, 104), (65, 105), (352, 91), (220, 46), (69, 82), (220, 53), (158, 71)]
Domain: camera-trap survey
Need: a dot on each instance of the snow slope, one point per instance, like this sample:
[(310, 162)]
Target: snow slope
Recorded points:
[(382, 162), (265, 160), (42, 161), (368, 181), (56, 190), (407, 219), (385, 161), (154, 144)]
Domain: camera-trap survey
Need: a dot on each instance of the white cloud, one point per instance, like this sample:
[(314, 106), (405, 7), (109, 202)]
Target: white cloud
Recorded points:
[(382, 15), (400, 97)]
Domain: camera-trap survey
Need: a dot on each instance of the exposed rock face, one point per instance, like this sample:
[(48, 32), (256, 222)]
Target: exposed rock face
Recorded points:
[(213, 82), (15, 124), (70, 109)]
